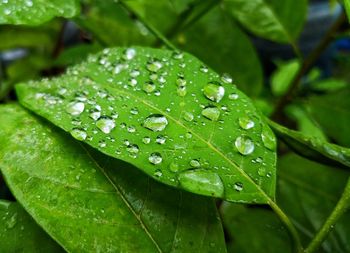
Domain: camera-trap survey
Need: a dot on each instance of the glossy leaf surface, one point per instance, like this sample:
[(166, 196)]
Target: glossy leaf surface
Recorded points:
[(36, 12), (167, 114), (20, 233), (89, 202)]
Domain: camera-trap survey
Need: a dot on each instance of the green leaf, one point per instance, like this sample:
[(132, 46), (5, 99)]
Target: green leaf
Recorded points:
[(308, 191), (225, 48), (243, 223), (332, 113), (89, 202), (312, 147), (145, 106), (282, 78), (36, 12), (329, 85), (276, 20), (19, 233), (76, 54), (347, 8)]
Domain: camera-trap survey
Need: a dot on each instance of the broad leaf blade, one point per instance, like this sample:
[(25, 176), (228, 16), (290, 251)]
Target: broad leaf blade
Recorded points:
[(312, 147), (89, 202), (158, 111), (36, 12), (19, 233), (271, 19)]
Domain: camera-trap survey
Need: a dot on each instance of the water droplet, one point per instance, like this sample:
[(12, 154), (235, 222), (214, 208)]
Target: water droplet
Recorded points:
[(195, 163), (102, 144), (133, 82), (203, 181), (212, 113), (131, 129), (188, 135), (155, 122), (244, 145), (262, 171), (174, 167), (181, 91), (134, 111), (268, 138), (135, 73), (105, 124), (188, 116), (158, 173), (204, 69), (178, 55), (132, 148), (129, 53), (238, 186), (180, 81), (78, 134), (214, 91), (95, 115), (233, 96), (155, 158), (149, 87), (12, 221), (246, 123), (146, 140), (154, 65), (161, 139), (75, 108), (226, 78)]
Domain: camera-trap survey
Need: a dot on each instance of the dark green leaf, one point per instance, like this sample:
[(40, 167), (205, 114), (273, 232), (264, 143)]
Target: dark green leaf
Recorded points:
[(329, 85), (89, 202), (347, 8), (225, 48), (168, 115), (277, 20), (76, 54), (312, 147), (19, 233), (36, 12)]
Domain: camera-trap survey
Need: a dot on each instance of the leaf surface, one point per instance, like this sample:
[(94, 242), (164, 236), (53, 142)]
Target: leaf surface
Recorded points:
[(36, 12), (271, 19), (167, 114), (89, 202), (19, 232)]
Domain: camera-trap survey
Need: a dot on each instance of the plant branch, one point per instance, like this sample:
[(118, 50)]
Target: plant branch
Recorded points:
[(287, 222), (307, 65), (341, 207), (149, 26)]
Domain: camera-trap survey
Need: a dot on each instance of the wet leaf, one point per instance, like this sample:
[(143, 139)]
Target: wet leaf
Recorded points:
[(36, 12), (271, 19), (19, 232), (313, 147), (89, 202), (126, 103)]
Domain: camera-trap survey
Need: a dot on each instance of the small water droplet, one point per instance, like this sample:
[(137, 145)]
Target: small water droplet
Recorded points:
[(195, 163), (12, 221), (246, 123), (154, 65), (174, 167), (262, 171), (158, 173), (78, 134), (155, 158), (131, 129), (226, 78), (134, 111), (146, 140), (155, 122), (233, 96), (102, 144), (238, 186), (75, 108), (181, 91), (211, 112), (134, 73), (244, 145), (105, 124), (132, 148), (214, 91), (95, 115), (204, 69), (188, 116), (268, 138), (129, 53), (161, 139)]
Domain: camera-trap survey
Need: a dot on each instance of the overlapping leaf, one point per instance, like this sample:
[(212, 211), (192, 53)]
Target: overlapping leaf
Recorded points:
[(89, 202), (167, 114), (36, 12)]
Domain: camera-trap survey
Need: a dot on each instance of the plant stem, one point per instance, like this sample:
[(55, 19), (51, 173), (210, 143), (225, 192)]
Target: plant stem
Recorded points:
[(149, 26), (341, 207), (292, 230), (307, 65)]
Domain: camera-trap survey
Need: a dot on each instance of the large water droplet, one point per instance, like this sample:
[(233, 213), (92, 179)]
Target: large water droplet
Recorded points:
[(212, 113), (155, 158), (75, 108), (268, 138), (246, 123), (214, 91), (244, 145), (105, 124), (203, 181), (78, 134), (155, 122)]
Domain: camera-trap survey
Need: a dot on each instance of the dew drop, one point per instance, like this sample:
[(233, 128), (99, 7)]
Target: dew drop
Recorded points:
[(129, 53), (102, 144), (212, 113), (244, 145), (78, 134), (268, 138), (195, 163), (181, 91), (105, 124), (146, 140), (238, 186), (155, 158), (204, 69), (161, 139), (154, 65), (233, 96), (158, 173), (262, 171), (134, 111), (148, 87), (132, 148), (95, 115), (203, 181), (75, 108), (155, 122), (174, 167), (131, 129), (226, 78), (246, 123), (188, 116), (214, 91)]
